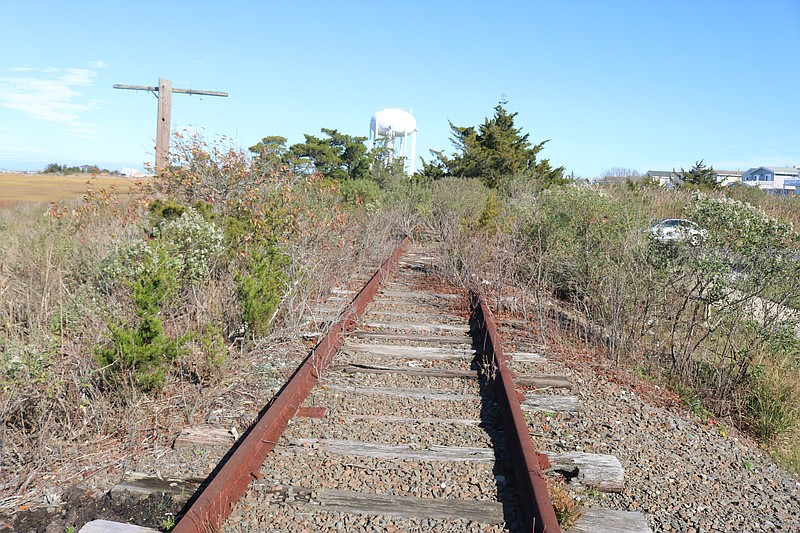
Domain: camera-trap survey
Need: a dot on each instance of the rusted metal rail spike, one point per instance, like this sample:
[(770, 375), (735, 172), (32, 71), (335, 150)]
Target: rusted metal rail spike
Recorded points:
[(535, 503), (212, 505)]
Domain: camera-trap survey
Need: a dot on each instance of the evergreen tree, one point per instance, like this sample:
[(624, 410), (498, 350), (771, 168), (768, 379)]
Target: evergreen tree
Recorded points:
[(270, 152), (493, 151), (340, 156), (699, 176)]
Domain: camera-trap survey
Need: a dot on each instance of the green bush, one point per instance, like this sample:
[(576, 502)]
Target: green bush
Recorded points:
[(144, 350), (773, 402), (191, 241), (582, 235), (262, 283), (165, 210), (182, 251), (361, 192)]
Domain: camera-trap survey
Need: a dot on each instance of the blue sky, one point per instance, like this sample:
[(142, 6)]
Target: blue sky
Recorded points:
[(636, 84)]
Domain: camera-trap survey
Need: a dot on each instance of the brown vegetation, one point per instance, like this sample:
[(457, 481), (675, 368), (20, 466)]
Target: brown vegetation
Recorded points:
[(125, 315), (124, 318), (53, 188)]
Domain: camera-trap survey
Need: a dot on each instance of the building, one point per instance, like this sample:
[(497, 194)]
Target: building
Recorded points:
[(726, 178), (665, 178), (669, 179), (132, 173), (782, 180)]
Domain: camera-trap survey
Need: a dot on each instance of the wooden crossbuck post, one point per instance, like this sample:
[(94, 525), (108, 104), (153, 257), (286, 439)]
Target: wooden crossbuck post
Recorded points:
[(164, 94)]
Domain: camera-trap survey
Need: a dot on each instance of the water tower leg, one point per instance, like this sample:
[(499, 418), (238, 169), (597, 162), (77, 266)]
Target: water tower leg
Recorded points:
[(413, 159)]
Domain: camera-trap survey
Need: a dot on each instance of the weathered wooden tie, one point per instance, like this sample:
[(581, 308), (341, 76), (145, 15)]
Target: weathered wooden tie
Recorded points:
[(598, 471), (485, 512), (402, 452), (433, 339), (551, 402), (107, 526), (610, 521)]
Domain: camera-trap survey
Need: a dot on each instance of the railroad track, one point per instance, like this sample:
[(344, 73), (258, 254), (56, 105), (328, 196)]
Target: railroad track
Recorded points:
[(407, 416)]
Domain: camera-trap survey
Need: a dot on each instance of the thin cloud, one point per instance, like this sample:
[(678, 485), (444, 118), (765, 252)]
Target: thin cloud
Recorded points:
[(97, 64), (50, 96)]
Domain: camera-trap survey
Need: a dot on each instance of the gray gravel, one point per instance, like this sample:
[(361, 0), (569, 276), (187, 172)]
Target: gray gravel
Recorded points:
[(684, 474), (309, 468)]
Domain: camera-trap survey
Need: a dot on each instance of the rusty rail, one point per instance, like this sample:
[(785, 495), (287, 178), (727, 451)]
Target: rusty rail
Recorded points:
[(213, 504), (535, 504)]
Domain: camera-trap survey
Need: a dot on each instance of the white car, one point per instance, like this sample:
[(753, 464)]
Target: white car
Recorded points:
[(678, 230)]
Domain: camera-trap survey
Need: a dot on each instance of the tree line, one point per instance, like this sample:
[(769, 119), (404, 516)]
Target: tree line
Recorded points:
[(55, 168), (494, 151)]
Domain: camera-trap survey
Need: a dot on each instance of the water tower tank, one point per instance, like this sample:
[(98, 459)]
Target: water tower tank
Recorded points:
[(396, 125), (393, 123)]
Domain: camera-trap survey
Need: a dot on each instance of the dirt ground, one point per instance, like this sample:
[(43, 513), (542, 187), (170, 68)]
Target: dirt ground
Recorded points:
[(79, 507)]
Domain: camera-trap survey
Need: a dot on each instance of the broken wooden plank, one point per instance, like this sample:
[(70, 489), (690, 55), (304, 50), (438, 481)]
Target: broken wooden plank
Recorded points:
[(484, 512), (394, 297), (411, 303), (414, 352), (344, 291), (423, 394), (598, 471), (539, 381), (144, 485), (403, 452), (610, 521), (106, 526), (324, 312), (550, 402), (434, 339), (204, 436), (355, 368)]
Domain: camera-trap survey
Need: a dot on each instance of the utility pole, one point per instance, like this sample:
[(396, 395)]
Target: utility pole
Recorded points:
[(164, 94)]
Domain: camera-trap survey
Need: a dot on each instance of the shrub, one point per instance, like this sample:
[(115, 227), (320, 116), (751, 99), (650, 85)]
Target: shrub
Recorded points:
[(144, 351), (262, 283), (361, 192), (773, 402), (191, 241), (182, 252)]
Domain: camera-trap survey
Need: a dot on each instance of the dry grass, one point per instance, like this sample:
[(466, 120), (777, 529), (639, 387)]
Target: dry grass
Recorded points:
[(62, 418), (51, 188), (568, 512)]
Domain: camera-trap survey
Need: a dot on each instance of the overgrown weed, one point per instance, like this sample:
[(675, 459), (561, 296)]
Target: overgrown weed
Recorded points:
[(703, 318), (123, 319)]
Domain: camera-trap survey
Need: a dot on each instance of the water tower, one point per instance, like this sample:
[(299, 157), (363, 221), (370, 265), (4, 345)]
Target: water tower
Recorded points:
[(396, 126)]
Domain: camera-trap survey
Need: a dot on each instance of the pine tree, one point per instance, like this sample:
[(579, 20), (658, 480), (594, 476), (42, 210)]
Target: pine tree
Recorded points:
[(497, 149), (699, 176), (340, 156)]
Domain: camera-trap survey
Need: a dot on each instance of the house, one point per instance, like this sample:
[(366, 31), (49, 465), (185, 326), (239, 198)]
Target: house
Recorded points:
[(669, 179), (782, 180), (665, 178), (726, 178)]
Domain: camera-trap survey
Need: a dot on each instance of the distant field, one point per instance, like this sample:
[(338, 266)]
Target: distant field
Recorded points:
[(50, 188)]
